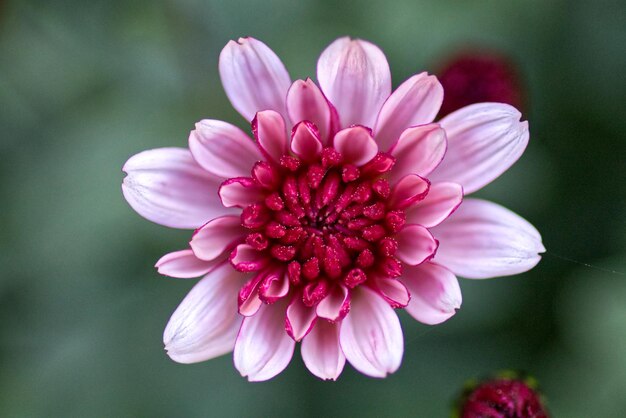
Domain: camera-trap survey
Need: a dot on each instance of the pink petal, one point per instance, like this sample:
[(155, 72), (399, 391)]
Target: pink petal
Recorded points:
[(418, 151), (442, 199), (270, 132), (305, 141), (167, 186), (217, 236), (300, 319), (484, 140), (251, 305), (246, 259), (267, 175), (263, 348), (393, 291), (305, 101), (275, 286), (321, 352), (223, 149), (206, 322), (240, 192), (435, 293), (355, 77), (336, 305), (482, 240), (248, 298), (370, 336), (414, 102), (253, 76), (184, 265), (409, 190), (415, 245), (356, 145)]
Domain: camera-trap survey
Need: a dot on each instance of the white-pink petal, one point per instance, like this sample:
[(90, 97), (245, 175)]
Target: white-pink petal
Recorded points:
[(354, 75), (356, 145), (321, 351), (184, 265), (223, 149), (409, 190), (253, 77), (217, 236), (300, 319), (393, 291), (206, 322), (167, 186), (435, 293), (415, 245), (336, 305), (484, 140), (263, 348), (482, 240), (248, 298), (305, 101), (370, 336), (240, 192), (305, 142), (270, 132), (274, 286), (418, 151), (246, 259), (414, 102), (442, 199)]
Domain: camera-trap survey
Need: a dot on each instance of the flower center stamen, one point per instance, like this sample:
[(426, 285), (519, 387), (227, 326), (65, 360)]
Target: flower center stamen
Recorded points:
[(328, 222)]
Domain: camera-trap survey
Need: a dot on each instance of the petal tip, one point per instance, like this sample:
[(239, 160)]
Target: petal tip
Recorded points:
[(542, 248)]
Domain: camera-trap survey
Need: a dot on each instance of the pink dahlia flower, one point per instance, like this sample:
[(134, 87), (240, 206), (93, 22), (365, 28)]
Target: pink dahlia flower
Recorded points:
[(337, 213)]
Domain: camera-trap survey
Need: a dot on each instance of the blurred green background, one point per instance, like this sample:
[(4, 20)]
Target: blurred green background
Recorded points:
[(86, 84)]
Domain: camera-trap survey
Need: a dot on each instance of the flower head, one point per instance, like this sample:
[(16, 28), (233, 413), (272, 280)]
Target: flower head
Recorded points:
[(333, 216), (502, 397), (475, 76)]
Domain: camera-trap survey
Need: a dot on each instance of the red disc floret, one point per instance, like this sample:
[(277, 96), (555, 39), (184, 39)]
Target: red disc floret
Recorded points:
[(327, 221)]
